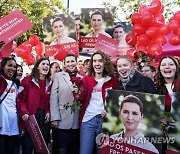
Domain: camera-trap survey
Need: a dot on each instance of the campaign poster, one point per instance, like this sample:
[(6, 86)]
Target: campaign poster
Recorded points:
[(60, 30), (149, 126), (174, 122), (89, 28)]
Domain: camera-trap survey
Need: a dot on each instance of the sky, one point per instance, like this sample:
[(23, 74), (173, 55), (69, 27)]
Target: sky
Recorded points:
[(76, 5)]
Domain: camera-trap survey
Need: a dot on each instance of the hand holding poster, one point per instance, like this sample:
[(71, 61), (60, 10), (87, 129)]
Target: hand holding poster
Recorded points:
[(36, 135), (13, 25)]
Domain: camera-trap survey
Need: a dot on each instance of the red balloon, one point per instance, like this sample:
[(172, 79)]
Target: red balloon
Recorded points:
[(155, 7), (40, 48), (155, 49), (38, 57), (152, 32), (164, 30), (160, 39), (138, 29), (131, 39), (178, 32), (136, 18), (30, 60), (23, 52), (158, 20), (33, 39), (173, 26), (171, 19), (28, 45), (147, 19), (177, 16), (161, 10), (143, 40), (130, 53), (142, 49), (174, 40), (143, 8)]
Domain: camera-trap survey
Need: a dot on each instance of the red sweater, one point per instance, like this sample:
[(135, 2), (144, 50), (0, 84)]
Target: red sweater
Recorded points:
[(88, 83)]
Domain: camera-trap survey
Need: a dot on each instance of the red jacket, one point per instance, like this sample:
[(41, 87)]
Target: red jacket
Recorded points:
[(88, 83), (29, 98)]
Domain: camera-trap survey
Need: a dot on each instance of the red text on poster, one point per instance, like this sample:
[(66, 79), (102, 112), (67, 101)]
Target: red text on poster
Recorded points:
[(87, 42)]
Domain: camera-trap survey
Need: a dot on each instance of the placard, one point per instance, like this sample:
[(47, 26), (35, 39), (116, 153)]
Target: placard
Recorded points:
[(153, 111), (13, 25), (61, 50), (107, 44), (36, 135)]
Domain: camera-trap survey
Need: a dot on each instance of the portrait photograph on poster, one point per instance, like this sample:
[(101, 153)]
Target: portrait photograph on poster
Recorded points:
[(56, 29), (60, 36), (150, 108), (94, 21)]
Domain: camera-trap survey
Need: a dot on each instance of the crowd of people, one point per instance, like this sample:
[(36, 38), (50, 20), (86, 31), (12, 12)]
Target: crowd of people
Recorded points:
[(48, 90)]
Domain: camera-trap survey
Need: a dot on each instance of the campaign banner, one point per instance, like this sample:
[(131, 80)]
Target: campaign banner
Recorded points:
[(107, 44), (13, 25), (36, 135), (59, 51), (87, 42), (113, 146)]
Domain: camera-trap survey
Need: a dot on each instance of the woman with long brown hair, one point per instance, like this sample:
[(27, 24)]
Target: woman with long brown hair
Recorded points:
[(34, 99), (100, 78)]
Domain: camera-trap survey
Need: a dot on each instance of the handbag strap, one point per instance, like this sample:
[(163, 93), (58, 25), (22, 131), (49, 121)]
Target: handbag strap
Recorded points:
[(6, 93)]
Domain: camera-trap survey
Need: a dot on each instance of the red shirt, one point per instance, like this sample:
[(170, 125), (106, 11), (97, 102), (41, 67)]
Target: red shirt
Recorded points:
[(42, 102)]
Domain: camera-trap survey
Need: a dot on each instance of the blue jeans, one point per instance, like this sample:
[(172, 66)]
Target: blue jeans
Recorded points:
[(89, 131)]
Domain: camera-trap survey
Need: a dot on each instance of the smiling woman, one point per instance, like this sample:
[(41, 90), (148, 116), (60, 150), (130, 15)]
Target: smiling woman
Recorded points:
[(100, 78), (34, 99), (131, 114), (168, 77), (132, 80), (58, 29), (9, 129)]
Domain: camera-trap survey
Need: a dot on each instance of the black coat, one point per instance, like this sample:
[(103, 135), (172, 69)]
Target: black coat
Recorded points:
[(139, 83)]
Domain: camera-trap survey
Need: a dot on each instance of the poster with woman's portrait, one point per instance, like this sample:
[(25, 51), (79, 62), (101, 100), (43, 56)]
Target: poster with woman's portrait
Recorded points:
[(59, 36), (58, 26), (94, 21), (135, 114)]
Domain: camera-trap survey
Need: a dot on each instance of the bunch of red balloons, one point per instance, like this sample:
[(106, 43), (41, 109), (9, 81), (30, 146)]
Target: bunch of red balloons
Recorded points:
[(149, 30), (174, 27), (25, 50)]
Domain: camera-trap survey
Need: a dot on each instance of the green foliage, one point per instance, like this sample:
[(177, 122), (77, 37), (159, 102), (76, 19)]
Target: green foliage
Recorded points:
[(35, 10)]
